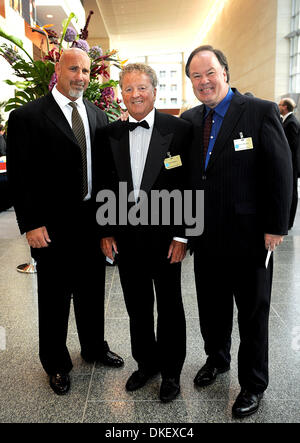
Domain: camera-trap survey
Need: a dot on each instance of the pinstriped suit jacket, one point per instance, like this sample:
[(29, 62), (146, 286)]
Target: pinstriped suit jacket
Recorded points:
[(247, 193)]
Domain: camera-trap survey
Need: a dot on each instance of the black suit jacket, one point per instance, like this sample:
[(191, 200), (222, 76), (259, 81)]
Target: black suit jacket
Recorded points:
[(246, 193), (2, 145), (44, 164), (170, 135), (291, 128)]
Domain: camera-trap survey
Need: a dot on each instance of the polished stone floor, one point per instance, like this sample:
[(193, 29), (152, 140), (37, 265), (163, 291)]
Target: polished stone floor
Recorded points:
[(97, 394)]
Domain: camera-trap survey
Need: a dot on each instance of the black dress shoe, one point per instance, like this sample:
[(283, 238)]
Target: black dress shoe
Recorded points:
[(107, 357), (138, 379), (111, 359), (60, 383), (246, 403), (169, 389), (208, 374)]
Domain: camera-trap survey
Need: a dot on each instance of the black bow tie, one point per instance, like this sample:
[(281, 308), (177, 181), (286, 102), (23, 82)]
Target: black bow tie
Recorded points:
[(132, 125)]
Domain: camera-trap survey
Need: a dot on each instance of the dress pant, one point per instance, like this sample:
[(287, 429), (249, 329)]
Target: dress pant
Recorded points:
[(145, 272), (72, 265), (220, 281), (294, 199)]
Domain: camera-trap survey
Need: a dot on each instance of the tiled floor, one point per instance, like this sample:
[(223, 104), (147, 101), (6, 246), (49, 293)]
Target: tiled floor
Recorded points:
[(97, 394)]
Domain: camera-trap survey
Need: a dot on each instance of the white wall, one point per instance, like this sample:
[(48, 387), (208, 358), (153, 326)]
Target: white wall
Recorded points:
[(13, 24)]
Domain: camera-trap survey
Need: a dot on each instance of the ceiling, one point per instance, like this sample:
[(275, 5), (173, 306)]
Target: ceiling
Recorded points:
[(144, 27), (58, 16)]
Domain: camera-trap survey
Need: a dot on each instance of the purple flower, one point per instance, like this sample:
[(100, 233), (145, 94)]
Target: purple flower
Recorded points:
[(108, 92), (81, 44), (95, 52), (70, 35), (53, 82), (9, 54)]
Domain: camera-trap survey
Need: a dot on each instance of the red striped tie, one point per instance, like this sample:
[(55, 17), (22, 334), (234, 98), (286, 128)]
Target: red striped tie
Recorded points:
[(78, 129), (207, 131)]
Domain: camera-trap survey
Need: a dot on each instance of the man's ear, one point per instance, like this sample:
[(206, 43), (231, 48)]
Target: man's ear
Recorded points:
[(57, 68)]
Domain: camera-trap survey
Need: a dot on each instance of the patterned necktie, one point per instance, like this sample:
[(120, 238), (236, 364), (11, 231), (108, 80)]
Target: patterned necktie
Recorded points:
[(207, 131), (78, 129), (133, 125)]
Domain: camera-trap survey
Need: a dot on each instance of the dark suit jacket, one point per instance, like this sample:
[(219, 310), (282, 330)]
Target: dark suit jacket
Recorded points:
[(291, 128), (170, 135), (246, 193), (2, 145), (44, 164)]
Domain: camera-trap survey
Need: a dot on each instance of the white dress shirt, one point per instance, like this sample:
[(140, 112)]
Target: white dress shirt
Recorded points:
[(139, 141), (63, 103), (284, 117)]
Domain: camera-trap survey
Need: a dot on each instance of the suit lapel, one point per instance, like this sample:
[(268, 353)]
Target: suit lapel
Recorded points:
[(121, 153), (92, 119), (197, 146), (55, 114), (233, 115), (157, 152)]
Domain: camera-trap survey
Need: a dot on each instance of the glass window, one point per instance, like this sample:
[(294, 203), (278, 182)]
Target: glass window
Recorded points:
[(295, 48)]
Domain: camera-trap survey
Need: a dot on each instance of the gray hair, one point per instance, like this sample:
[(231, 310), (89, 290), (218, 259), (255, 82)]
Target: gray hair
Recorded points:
[(140, 67)]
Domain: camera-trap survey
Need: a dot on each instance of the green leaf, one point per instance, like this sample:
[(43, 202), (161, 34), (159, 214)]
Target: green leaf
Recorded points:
[(14, 40), (65, 25), (11, 38), (10, 107), (19, 85)]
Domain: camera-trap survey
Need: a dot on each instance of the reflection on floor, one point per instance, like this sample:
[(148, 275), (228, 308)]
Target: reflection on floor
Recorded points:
[(97, 394)]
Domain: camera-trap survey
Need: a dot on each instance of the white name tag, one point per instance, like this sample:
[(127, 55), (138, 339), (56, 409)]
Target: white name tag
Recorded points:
[(242, 144)]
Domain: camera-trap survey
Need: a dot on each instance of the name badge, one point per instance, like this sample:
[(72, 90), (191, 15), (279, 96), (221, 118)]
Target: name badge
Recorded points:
[(241, 144), (172, 162)]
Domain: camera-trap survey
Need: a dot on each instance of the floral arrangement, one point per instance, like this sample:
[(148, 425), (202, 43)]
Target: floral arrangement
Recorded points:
[(38, 76)]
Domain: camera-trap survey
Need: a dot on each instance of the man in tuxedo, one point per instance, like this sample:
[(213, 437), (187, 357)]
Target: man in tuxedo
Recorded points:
[(240, 158), (135, 155), (50, 149), (291, 127)]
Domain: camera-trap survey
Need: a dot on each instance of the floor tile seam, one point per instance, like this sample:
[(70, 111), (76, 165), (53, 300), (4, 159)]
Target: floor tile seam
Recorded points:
[(109, 292), (88, 393), (192, 401), (273, 310), (279, 316)]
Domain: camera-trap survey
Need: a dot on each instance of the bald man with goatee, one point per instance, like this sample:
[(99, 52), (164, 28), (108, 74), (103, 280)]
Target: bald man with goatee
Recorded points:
[(50, 156)]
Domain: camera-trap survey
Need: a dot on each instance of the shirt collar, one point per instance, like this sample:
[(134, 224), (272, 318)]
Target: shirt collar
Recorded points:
[(284, 117), (149, 118), (62, 100), (223, 106)]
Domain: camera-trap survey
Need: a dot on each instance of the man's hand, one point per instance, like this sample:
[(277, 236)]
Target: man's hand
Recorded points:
[(124, 115), (108, 246), (271, 241), (177, 251), (38, 238)]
